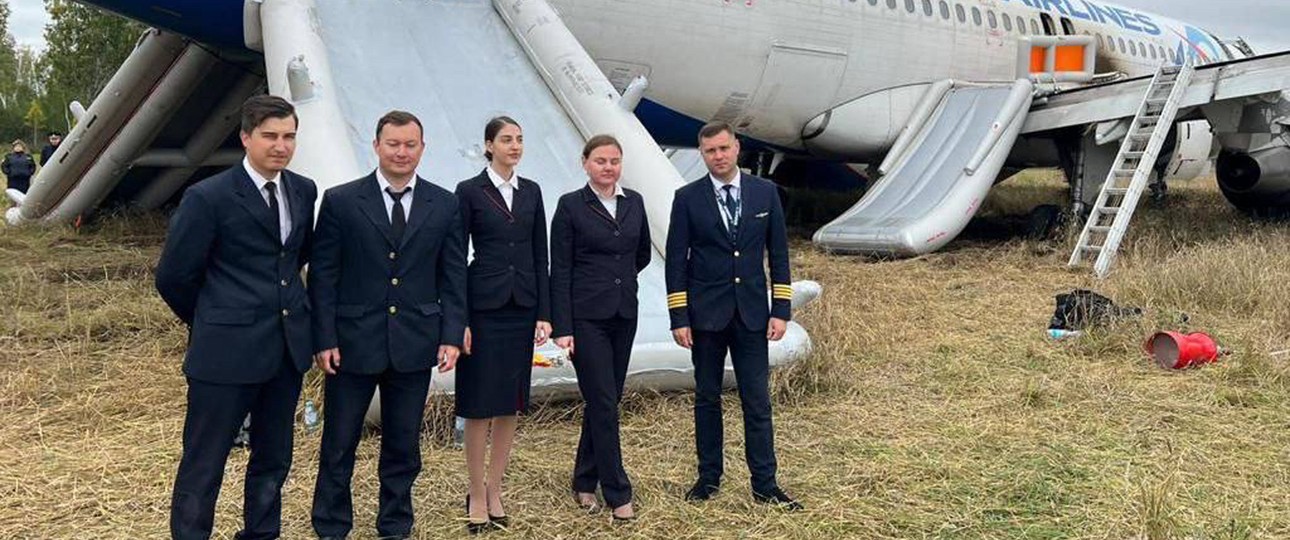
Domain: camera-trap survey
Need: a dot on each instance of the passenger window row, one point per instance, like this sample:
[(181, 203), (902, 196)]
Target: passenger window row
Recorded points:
[(1142, 49)]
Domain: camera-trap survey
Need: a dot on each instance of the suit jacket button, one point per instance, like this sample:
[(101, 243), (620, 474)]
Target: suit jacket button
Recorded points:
[(394, 282), (282, 254), (616, 233), (736, 280), (393, 255), (736, 253), (286, 312), (393, 310), (283, 283), (511, 267), (618, 282)]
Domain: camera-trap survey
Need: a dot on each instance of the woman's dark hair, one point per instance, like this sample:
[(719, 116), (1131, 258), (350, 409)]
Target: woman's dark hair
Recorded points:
[(257, 109), (599, 141), (494, 126)]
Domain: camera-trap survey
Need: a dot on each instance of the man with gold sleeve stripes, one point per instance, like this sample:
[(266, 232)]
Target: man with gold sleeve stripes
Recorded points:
[(724, 227)]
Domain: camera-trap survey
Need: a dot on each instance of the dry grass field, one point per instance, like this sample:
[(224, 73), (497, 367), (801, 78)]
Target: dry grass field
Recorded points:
[(933, 407)]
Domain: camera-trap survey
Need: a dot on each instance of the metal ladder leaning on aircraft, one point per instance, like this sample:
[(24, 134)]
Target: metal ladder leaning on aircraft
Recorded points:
[(1116, 202)]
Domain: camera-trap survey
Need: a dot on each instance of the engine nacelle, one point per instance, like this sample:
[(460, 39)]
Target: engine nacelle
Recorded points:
[(863, 129), (1257, 182), (1193, 153)]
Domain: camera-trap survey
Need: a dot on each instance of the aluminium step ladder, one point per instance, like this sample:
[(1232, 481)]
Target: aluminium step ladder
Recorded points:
[(1132, 167)]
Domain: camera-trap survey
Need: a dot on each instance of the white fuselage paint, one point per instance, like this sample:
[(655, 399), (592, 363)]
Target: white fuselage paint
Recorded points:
[(771, 66)]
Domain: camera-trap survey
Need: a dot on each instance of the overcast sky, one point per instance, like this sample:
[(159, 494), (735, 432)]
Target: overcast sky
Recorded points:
[(1263, 23)]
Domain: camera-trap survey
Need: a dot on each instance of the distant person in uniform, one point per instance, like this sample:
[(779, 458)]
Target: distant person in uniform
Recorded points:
[(388, 283), (55, 139), (599, 243), (18, 167), (230, 270), (510, 311), (723, 227)]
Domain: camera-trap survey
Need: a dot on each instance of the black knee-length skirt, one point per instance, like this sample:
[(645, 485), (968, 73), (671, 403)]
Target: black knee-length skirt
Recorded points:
[(494, 379)]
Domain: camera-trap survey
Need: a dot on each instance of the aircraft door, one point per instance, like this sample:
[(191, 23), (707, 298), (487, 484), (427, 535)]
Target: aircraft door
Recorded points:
[(799, 82)]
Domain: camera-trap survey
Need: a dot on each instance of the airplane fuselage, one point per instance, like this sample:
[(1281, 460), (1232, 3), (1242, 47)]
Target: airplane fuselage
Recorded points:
[(770, 67)]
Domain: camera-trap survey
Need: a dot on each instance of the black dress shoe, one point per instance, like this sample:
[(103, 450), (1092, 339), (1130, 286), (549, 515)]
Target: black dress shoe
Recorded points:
[(779, 498), (701, 491), (500, 521), (473, 527)]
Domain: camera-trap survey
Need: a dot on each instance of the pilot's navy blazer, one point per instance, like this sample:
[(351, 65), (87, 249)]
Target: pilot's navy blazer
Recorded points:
[(594, 277), (386, 303), (510, 245), (711, 274), (226, 273)]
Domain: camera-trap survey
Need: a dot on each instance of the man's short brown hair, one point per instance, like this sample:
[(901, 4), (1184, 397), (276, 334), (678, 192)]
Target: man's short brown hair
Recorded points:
[(257, 109), (714, 128), (398, 119)]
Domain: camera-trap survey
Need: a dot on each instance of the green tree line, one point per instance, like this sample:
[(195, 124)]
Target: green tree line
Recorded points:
[(84, 47)]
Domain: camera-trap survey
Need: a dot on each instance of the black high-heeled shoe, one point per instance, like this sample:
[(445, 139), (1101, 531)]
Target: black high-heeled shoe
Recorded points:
[(500, 521), (474, 527)]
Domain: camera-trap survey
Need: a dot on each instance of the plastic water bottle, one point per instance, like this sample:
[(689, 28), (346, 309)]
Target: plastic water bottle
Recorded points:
[(1061, 333), (311, 416), (459, 432)]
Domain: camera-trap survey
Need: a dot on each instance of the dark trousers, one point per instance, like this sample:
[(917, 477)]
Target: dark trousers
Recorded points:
[(215, 413), (603, 350), (403, 401), (750, 355)]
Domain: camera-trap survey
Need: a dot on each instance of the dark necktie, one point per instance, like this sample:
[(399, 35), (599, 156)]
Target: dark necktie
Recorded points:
[(272, 190), (732, 209), (398, 220)]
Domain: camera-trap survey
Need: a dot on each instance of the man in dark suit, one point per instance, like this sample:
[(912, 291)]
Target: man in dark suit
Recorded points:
[(723, 226), (388, 283), (230, 270), (55, 139)]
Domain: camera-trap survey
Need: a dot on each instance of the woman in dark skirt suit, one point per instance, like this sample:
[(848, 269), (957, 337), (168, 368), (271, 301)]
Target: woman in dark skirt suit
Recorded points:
[(599, 242), (509, 301)]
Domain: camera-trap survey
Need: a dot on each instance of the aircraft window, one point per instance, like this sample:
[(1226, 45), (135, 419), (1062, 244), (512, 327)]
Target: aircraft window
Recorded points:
[(1021, 25), (945, 10), (1139, 50), (1153, 53), (1163, 54), (873, 2), (909, 6), (1034, 27), (1068, 27), (958, 12), (1049, 29), (976, 16), (891, 4), (1110, 44), (1007, 23), (927, 8), (994, 21), (1122, 47)]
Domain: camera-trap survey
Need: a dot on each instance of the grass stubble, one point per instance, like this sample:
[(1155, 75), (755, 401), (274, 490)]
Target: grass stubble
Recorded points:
[(932, 407)]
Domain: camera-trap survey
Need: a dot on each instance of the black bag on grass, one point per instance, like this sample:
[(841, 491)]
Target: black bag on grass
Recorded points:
[(1082, 308)]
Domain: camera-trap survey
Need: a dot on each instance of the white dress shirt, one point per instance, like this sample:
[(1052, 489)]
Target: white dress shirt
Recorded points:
[(506, 186), (284, 213), (389, 201), (717, 186), (610, 204)]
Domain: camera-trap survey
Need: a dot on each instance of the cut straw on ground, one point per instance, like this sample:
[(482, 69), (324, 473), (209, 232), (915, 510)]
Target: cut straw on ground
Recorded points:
[(933, 407)]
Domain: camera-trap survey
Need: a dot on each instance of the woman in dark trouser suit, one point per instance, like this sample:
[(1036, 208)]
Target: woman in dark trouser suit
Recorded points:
[(509, 302), (599, 242)]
